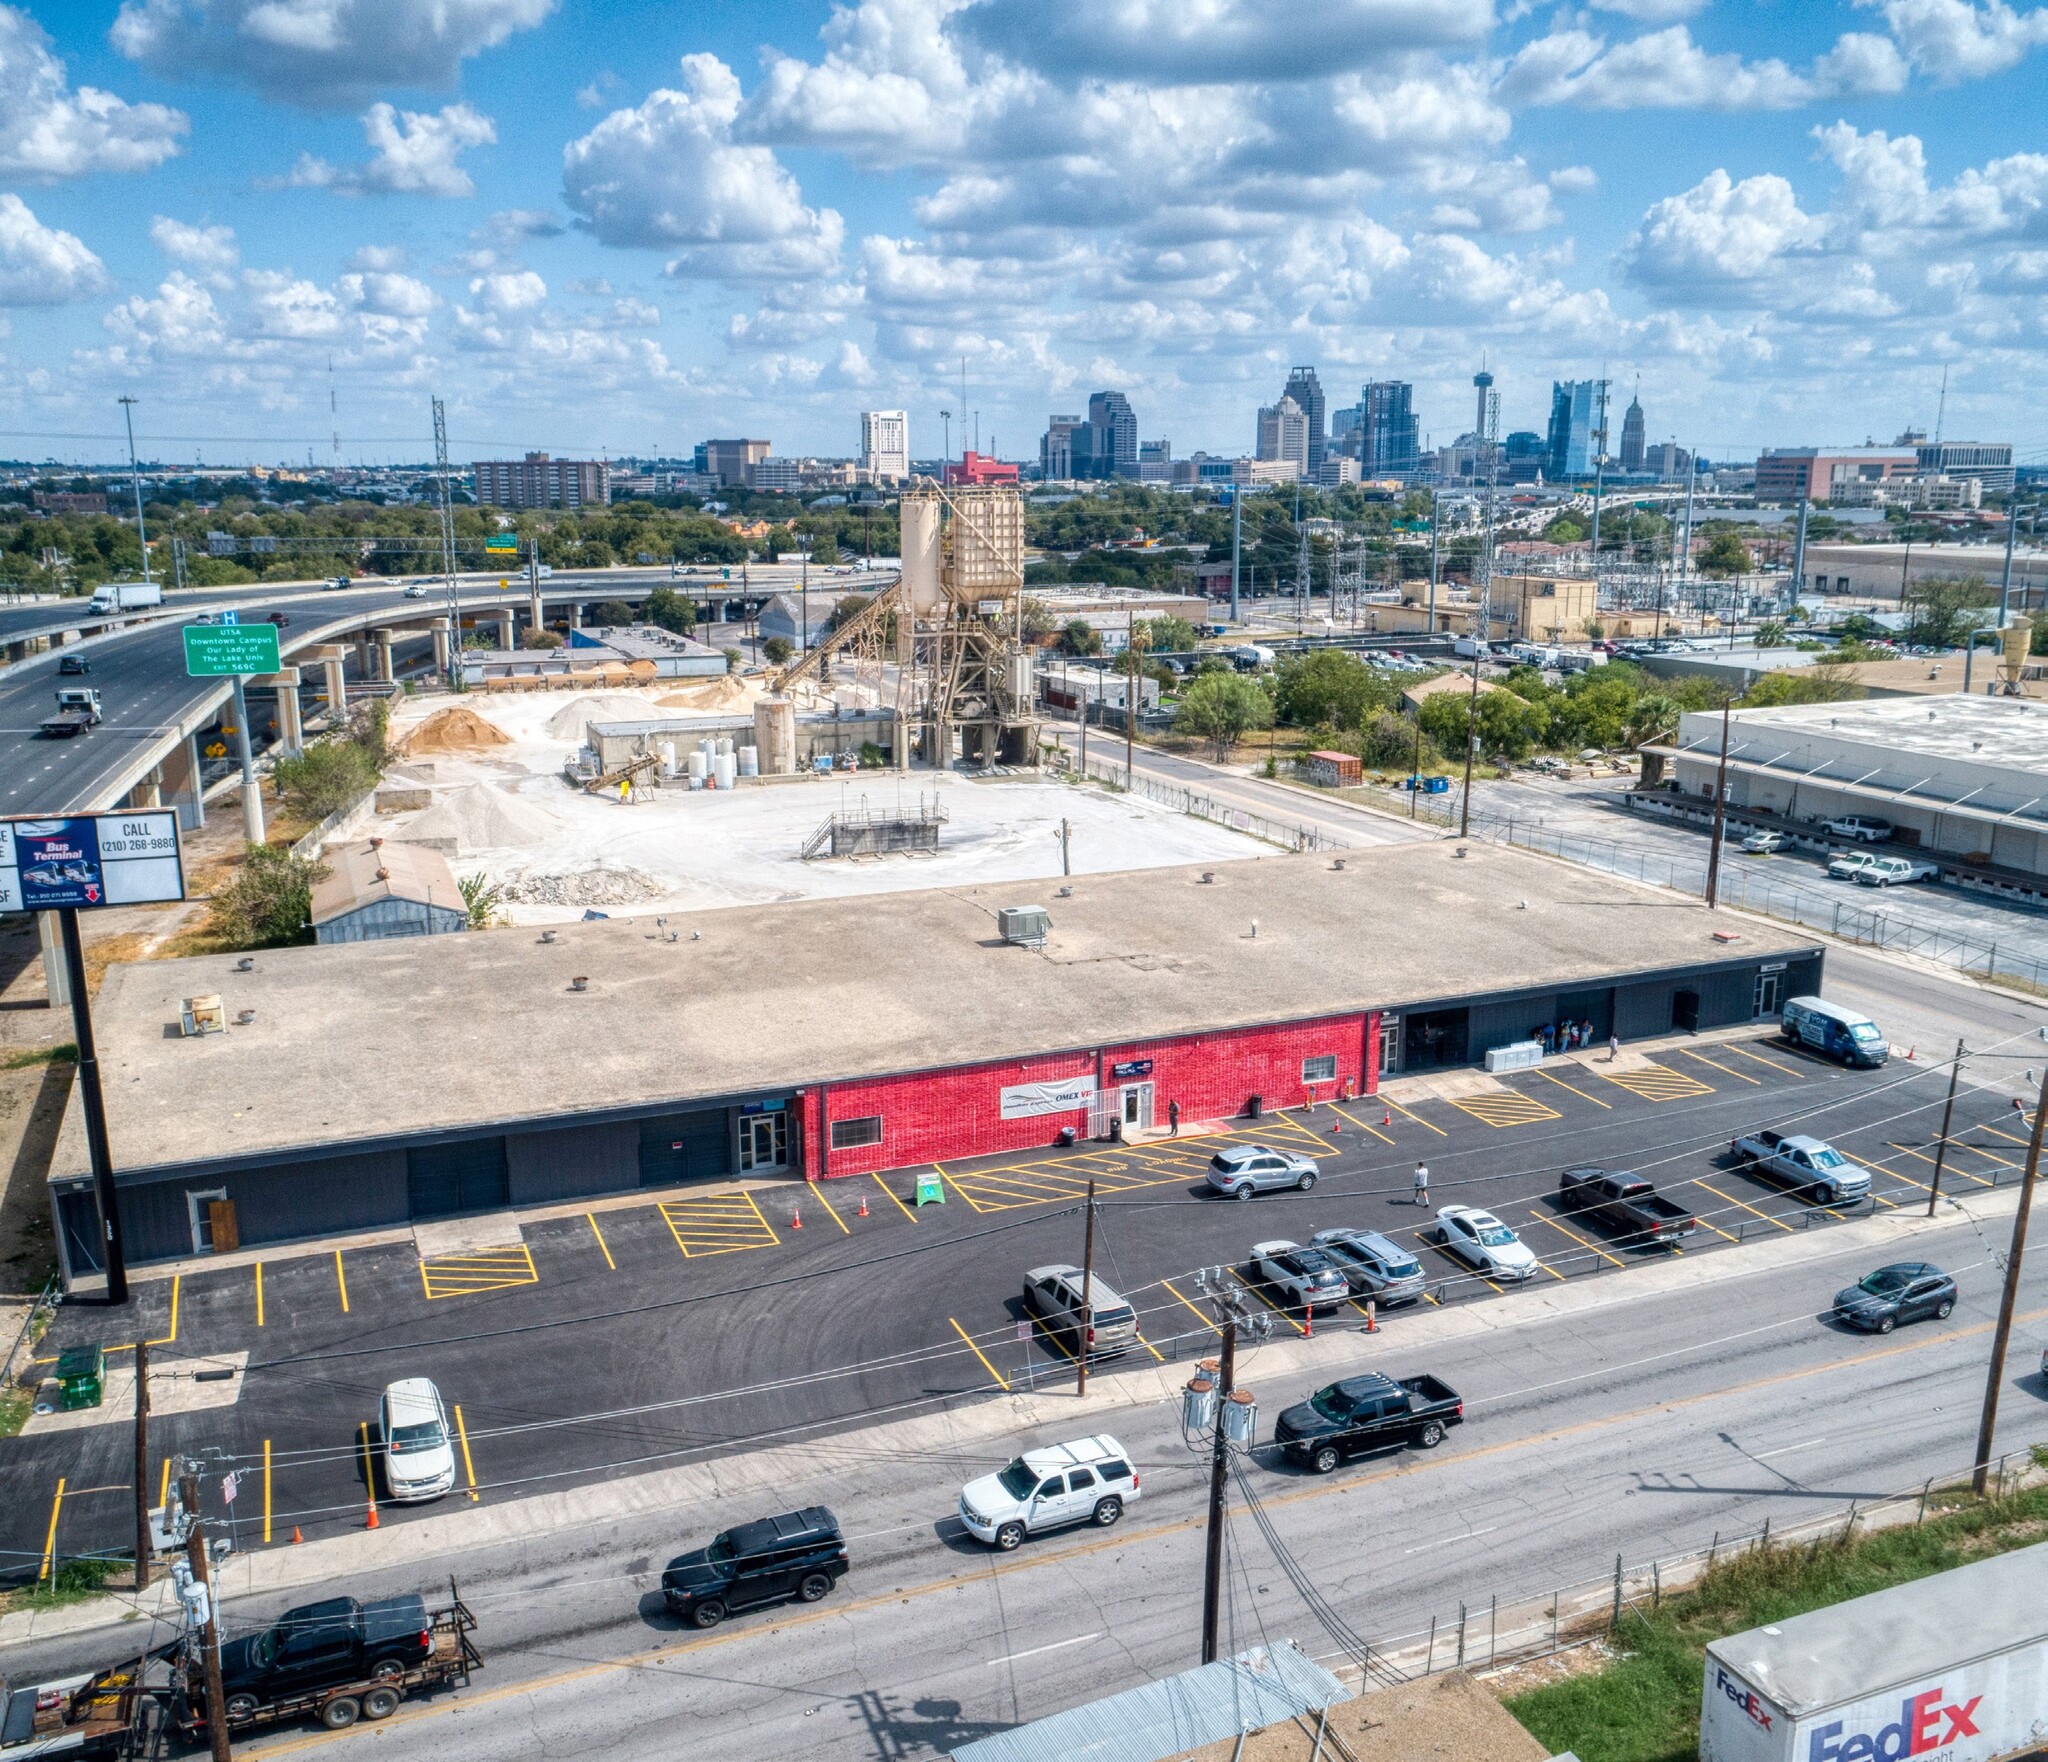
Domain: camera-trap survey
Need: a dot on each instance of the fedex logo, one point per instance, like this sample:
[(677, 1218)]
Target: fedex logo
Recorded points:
[(1744, 1698), (1925, 1723)]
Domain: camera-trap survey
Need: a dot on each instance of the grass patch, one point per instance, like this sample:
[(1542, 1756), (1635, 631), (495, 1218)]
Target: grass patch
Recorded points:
[(1646, 1706), (15, 1407), (41, 1055), (72, 1581)]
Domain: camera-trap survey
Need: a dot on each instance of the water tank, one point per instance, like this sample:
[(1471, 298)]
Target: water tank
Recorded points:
[(728, 771), (725, 746), (668, 758), (699, 767), (750, 761), (918, 513)]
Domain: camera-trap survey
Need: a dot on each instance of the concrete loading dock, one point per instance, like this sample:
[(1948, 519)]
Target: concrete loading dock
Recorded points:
[(372, 1088)]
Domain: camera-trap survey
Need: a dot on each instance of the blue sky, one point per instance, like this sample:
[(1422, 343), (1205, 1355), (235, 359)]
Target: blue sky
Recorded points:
[(630, 226)]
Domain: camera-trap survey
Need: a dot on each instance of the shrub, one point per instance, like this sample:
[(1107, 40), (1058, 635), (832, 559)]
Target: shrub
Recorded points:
[(270, 901), (1221, 708), (325, 778), (778, 649), (541, 639)]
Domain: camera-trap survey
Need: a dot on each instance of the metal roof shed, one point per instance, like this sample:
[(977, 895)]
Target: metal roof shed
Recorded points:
[(1174, 1715), (376, 890)]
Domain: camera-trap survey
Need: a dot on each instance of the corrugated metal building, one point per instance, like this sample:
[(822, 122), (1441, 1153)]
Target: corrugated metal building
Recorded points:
[(376, 890)]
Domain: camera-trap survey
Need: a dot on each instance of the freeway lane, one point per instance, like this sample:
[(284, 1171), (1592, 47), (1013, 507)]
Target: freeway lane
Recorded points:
[(680, 1326), (1646, 1425)]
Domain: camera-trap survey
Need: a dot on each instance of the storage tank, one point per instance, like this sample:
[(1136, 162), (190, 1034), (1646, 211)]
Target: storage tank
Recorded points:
[(699, 767), (775, 736), (668, 758), (750, 761), (918, 515), (2017, 640), (728, 771), (725, 746)]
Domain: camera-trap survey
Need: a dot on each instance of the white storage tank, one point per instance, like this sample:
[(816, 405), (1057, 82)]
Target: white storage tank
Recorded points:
[(728, 771), (668, 758), (918, 516), (699, 767), (750, 761)]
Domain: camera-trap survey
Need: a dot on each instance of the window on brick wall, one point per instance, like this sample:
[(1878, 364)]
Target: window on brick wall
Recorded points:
[(1319, 1070), (852, 1134)]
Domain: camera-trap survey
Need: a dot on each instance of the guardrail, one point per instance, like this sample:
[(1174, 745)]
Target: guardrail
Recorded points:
[(1207, 807)]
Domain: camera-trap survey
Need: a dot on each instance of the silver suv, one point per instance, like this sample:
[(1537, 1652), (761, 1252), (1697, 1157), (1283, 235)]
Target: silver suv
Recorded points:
[(1375, 1266), (1053, 1295), (1245, 1169)]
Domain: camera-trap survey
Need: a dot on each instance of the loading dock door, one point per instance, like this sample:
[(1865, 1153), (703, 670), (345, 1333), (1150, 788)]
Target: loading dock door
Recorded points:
[(685, 1147), (442, 1179)]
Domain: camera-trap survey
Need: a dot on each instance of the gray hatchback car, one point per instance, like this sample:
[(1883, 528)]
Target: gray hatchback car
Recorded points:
[(1245, 1169)]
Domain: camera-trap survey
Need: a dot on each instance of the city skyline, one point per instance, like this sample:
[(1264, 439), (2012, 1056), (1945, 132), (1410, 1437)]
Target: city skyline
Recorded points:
[(617, 230)]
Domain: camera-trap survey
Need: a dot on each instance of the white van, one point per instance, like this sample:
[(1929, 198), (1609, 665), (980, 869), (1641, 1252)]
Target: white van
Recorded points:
[(1846, 1035), (1088, 1481)]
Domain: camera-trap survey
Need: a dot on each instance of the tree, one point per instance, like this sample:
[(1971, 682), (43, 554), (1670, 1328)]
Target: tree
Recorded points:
[(270, 901), (1565, 530), (614, 612), (1653, 721), (1942, 609), (1725, 554), (1167, 634), (1079, 637), (1771, 634), (325, 778), (825, 548), (1509, 726), (1826, 681), (1329, 688), (672, 611), (481, 898), (541, 639), (846, 610), (733, 659), (778, 649), (1388, 742), (1222, 708), (1039, 622)]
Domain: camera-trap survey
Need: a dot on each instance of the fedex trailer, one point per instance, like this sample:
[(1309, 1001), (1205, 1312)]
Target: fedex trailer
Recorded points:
[(1952, 1668)]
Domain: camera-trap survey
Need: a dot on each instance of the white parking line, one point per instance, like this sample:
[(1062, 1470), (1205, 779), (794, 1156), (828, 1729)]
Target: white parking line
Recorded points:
[(1012, 1657), (1468, 1536)]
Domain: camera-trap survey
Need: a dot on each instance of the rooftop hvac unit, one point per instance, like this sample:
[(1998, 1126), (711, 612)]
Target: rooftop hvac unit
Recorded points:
[(1025, 925), (204, 1015)]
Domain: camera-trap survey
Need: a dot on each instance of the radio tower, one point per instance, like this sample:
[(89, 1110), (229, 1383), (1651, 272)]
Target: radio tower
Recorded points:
[(448, 548)]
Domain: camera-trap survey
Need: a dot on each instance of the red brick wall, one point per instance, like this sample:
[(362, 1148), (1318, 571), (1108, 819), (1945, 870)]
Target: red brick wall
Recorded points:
[(931, 1116)]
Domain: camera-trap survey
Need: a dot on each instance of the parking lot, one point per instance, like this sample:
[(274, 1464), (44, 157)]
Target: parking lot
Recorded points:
[(674, 1325)]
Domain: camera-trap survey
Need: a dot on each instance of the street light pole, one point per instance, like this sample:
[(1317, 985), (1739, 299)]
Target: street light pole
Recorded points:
[(1720, 809), (1987, 1425), (135, 476)]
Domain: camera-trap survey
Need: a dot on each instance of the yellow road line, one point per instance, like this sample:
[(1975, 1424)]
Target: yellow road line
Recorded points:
[(468, 1467), (900, 1206), (341, 1280), (1730, 1070), (1996, 1133), (1469, 1272), (1002, 1382), (1746, 1206), (1545, 1217), (1198, 1314), (266, 1492), (1406, 1115), (818, 1188), (1149, 1347), (754, 1207), (259, 1293), (1898, 1175), (426, 1284), (602, 1247), (1029, 1560), (1045, 1332), (1580, 1093), (1789, 1070), (50, 1543), (1360, 1124)]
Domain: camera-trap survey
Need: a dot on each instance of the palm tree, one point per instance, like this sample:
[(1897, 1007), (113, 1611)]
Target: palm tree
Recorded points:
[(1653, 720)]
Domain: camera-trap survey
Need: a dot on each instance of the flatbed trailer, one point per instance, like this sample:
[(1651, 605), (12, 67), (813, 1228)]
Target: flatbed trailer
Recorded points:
[(78, 1716)]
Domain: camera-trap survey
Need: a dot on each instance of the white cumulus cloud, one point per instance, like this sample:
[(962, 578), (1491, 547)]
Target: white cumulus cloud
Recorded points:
[(509, 290), (1954, 40), (412, 154), (41, 265), (49, 131), (1721, 232), (318, 52), (204, 247), (1668, 70), (668, 175)]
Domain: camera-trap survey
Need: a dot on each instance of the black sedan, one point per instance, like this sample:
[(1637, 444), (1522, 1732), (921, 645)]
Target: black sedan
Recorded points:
[(1910, 1291), (74, 664)]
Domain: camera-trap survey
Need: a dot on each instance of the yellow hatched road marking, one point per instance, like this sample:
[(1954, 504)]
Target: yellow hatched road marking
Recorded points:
[(1580, 1093), (1509, 1108), (469, 1275), (727, 1224), (1659, 1083)]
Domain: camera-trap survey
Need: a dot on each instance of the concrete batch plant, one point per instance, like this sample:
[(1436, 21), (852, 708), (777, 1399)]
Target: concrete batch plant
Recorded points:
[(368, 1085)]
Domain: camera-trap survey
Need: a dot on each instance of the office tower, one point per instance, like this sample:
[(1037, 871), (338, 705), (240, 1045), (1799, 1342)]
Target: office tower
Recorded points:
[(538, 481), (1390, 431), (1283, 434), (1572, 418), (1114, 437), (1307, 392), (1056, 448), (1632, 435), (885, 444)]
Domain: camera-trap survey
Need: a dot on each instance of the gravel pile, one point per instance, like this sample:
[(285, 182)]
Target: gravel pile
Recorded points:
[(588, 887), (604, 706), (479, 817)]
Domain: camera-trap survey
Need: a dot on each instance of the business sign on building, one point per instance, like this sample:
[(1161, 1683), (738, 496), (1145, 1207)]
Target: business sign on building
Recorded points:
[(1127, 1068), (1024, 1101), (90, 860), (215, 650)]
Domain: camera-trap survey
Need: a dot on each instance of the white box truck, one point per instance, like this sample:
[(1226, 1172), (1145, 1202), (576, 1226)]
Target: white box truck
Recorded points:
[(1953, 1668), (126, 596)]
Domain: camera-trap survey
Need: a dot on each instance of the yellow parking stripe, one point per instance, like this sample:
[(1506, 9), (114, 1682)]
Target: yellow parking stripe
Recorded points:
[(468, 1467), (1659, 1083), (1788, 1070), (1509, 1107), (1002, 1382), (726, 1224), (1952, 1165), (470, 1275), (599, 1234), (1198, 1314), (1267, 1301), (1727, 1070), (818, 1193), (1580, 1093), (1406, 1115), (900, 1206), (1573, 1235), (1360, 1124), (341, 1281), (1752, 1210), (1469, 1272)]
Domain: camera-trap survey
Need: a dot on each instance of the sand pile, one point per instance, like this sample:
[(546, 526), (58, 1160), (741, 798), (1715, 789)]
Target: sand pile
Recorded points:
[(712, 696), (604, 706), (479, 817), (589, 887), (454, 730)]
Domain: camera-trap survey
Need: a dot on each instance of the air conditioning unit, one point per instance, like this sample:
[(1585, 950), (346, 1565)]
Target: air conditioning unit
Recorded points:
[(1025, 925)]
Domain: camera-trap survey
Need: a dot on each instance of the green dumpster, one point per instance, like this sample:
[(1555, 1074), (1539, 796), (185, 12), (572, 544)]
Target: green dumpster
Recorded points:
[(81, 1377)]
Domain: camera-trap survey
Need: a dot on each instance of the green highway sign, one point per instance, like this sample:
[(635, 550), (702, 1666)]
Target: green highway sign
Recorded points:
[(216, 649), (502, 541)]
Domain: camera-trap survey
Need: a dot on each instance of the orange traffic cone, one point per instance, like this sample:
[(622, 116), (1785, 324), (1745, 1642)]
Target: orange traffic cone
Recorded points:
[(1308, 1323), (1337, 1130), (1372, 1319), (863, 1205), (1387, 1117), (373, 1523), (796, 1217), (297, 1537)]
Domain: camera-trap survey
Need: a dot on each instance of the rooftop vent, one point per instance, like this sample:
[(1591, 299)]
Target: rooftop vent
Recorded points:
[(1026, 926), (1208, 877), (1338, 864), (244, 1017), (376, 844), (246, 964), (547, 936), (383, 874), (581, 982)]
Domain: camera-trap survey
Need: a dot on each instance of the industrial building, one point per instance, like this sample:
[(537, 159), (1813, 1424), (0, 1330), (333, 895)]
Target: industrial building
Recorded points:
[(1881, 571), (374, 890), (1784, 474), (538, 481), (841, 1035), (1962, 778)]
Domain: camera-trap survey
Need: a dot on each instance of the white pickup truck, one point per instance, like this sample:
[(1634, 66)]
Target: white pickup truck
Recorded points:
[(1859, 829), (1889, 871), (1803, 1165)]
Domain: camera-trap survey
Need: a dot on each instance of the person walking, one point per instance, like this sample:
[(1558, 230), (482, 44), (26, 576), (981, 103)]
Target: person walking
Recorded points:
[(1173, 1119), (1613, 1047), (1422, 1184)]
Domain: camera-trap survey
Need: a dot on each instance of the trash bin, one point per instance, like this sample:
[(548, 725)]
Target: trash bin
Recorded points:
[(1116, 1128), (1065, 1140), (1257, 1106), (81, 1377)]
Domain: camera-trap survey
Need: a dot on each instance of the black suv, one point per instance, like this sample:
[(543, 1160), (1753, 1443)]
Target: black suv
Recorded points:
[(800, 1554)]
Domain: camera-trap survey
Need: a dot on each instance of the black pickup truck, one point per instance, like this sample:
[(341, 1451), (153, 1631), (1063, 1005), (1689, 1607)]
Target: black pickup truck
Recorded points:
[(1371, 1412), (321, 1645), (1626, 1204)]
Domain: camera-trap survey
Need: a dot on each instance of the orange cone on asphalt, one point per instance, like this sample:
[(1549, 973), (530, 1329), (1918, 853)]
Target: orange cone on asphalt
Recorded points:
[(1387, 1117), (796, 1218), (297, 1537), (1308, 1324), (373, 1523), (863, 1205)]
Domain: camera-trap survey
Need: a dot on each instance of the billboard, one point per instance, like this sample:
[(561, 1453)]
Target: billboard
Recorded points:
[(90, 860)]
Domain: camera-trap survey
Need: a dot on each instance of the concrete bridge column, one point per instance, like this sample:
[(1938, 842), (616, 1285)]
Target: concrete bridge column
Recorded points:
[(146, 794), (181, 783), (575, 614), (291, 728), (534, 614), (506, 635), (383, 657), (337, 687), (440, 648)]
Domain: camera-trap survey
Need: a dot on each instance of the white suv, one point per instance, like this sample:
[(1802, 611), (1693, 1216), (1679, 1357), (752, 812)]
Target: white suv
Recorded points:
[(412, 1428), (1088, 1481)]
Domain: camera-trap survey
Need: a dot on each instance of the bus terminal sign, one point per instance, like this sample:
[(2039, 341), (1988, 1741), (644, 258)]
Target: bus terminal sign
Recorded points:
[(90, 860)]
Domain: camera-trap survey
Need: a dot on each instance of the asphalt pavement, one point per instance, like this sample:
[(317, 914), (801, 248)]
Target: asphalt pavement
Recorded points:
[(672, 1328)]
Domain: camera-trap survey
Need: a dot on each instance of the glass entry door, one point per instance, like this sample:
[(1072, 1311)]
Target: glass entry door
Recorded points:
[(764, 1140)]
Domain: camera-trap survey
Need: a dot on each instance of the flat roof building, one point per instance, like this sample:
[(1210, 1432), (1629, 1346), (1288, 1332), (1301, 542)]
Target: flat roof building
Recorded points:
[(1784, 474), (538, 481), (837, 1036)]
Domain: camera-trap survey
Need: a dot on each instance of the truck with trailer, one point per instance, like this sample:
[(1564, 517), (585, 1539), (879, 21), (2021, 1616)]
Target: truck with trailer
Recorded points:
[(78, 708), (126, 596), (1953, 1668)]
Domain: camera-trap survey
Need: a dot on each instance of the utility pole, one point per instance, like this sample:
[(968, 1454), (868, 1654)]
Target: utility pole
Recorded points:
[(97, 1147), (1087, 1296), (209, 1631), (803, 635), (142, 1543), (1799, 550), (1237, 543), (135, 476), (448, 548), (1987, 1426), (1720, 808), (1685, 551), (1300, 570), (1432, 562), (1482, 627), (2012, 528), (1134, 653), (1948, 1109), (1219, 1480)]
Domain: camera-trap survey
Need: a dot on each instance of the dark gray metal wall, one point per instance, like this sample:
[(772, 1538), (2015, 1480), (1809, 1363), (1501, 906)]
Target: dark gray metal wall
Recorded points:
[(573, 1162)]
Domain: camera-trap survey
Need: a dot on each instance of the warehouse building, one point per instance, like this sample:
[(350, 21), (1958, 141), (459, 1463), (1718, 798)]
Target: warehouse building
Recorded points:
[(1961, 778), (832, 1037)]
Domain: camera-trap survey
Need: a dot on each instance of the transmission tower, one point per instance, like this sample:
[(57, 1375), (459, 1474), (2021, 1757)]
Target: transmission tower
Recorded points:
[(448, 547)]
